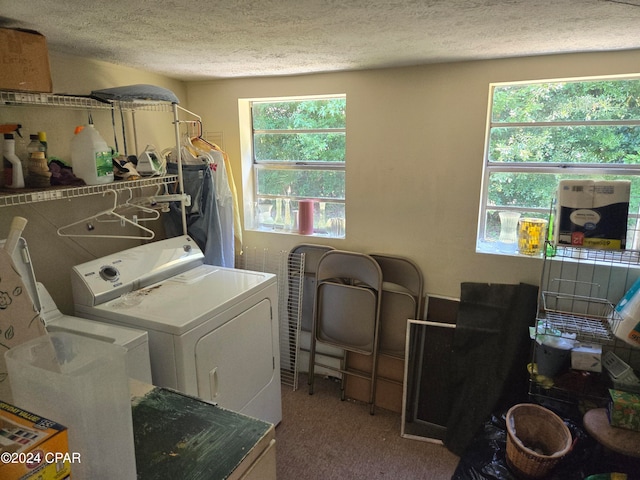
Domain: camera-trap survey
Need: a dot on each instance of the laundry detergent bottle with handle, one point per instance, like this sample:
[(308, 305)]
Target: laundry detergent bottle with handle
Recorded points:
[(91, 158)]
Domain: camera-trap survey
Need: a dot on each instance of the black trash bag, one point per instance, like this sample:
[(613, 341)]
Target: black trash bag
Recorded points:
[(486, 456)]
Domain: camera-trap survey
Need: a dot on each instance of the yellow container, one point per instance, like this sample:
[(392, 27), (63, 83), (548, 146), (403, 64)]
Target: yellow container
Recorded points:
[(33, 447), (532, 233)]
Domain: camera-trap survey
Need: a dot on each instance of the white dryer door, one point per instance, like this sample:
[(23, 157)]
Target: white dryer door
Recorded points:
[(236, 361)]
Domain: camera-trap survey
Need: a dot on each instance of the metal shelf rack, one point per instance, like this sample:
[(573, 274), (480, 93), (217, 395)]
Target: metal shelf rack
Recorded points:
[(580, 288), (26, 196), (22, 99), (26, 99)]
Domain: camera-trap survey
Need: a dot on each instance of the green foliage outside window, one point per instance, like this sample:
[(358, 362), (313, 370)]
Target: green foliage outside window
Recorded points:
[(299, 150), (543, 133)]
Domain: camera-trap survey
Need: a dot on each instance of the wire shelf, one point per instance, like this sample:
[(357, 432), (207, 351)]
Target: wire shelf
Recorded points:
[(599, 308), (289, 269), (596, 256), (589, 318), (585, 328), (580, 288), (27, 196), (25, 99), (582, 388)]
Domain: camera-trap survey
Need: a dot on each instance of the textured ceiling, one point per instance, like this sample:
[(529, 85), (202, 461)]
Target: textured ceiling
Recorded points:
[(196, 40)]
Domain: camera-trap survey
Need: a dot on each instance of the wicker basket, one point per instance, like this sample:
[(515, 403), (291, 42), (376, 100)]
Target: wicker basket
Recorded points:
[(537, 440)]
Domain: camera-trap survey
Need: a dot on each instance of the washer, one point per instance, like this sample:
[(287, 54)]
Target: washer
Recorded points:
[(135, 341), (213, 331)]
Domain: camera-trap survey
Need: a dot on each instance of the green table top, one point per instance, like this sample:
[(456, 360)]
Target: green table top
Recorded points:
[(180, 436)]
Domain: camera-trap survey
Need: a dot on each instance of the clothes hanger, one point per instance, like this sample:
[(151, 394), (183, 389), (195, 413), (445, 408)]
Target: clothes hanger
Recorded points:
[(198, 137), (216, 154), (129, 205), (161, 200), (110, 213), (191, 155), (200, 140)]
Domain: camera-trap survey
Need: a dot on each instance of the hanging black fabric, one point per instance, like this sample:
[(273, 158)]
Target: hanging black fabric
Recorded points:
[(203, 220), (490, 355)]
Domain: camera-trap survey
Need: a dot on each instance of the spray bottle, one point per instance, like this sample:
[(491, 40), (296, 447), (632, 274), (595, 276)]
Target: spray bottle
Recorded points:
[(13, 174)]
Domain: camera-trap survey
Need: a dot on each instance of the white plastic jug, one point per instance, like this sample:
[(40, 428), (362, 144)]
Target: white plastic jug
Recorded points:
[(91, 158)]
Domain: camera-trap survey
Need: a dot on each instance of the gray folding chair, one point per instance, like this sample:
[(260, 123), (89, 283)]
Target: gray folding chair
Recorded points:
[(347, 311), (401, 300)]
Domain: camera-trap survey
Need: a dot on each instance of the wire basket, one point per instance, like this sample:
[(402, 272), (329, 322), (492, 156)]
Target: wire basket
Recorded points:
[(537, 440), (590, 318)]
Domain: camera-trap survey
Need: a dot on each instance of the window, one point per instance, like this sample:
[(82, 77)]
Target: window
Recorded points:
[(298, 153), (541, 133)]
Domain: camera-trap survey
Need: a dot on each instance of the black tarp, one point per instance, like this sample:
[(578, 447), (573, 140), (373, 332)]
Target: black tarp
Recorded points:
[(485, 457), (491, 349)]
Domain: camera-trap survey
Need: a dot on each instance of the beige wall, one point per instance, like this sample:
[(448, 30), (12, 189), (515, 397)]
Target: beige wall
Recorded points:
[(415, 139), (414, 148), (54, 256)]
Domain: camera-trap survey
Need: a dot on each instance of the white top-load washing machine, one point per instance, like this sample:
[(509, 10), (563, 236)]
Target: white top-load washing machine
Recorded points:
[(213, 331), (134, 341)]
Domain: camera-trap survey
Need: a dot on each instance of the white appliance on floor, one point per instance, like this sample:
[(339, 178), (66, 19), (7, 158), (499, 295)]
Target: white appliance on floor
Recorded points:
[(213, 331), (135, 341)]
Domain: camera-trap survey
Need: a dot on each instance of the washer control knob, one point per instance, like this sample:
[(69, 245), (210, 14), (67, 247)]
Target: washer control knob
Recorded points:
[(109, 273)]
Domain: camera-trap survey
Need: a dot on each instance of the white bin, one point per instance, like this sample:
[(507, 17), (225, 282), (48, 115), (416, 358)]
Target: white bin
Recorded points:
[(81, 383)]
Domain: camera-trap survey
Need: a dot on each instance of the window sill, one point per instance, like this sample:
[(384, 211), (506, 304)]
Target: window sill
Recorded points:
[(500, 248), (283, 231)]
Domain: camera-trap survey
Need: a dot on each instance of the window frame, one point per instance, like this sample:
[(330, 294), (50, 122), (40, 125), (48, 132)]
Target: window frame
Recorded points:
[(489, 167), (267, 165)]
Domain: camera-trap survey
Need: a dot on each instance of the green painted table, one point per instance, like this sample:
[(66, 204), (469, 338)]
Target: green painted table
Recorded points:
[(180, 436)]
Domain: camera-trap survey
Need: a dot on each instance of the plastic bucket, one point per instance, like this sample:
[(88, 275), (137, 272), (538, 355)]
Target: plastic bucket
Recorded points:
[(553, 356)]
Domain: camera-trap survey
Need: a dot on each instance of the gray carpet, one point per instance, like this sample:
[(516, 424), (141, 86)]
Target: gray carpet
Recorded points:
[(323, 438)]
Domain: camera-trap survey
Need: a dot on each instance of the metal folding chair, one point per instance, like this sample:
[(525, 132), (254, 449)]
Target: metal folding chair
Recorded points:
[(402, 296), (346, 312)]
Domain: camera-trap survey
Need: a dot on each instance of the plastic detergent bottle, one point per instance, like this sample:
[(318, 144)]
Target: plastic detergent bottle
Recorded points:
[(91, 158), (13, 175), (35, 145), (42, 137)]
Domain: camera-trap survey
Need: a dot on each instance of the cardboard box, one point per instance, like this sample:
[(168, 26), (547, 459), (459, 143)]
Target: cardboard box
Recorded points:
[(389, 384), (587, 357), (592, 214), (24, 61), (624, 410), (32, 447)]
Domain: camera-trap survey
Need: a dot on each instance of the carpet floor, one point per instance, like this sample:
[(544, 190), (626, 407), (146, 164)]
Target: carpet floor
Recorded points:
[(323, 438)]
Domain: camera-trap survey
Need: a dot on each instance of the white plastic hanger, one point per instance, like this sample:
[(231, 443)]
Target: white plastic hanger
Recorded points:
[(111, 215), (129, 205), (161, 200)]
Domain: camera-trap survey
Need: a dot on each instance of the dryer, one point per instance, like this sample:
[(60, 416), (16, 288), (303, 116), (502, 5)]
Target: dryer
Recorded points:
[(213, 331)]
